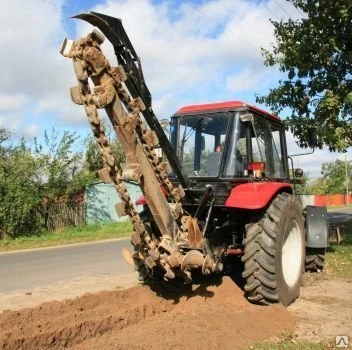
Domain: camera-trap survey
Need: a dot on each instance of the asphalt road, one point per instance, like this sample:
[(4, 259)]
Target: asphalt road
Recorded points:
[(27, 269), (340, 216)]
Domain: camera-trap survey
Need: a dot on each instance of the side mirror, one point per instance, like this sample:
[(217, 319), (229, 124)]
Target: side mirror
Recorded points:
[(248, 117), (299, 172), (165, 124)]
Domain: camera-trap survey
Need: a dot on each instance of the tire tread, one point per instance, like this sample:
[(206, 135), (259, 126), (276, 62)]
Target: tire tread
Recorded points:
[(260, 252)]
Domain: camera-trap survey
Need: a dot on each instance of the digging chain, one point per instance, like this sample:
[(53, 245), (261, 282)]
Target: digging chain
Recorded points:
[(148, 140), (101, 98), (138, 142), (112, 171), (90, 63)]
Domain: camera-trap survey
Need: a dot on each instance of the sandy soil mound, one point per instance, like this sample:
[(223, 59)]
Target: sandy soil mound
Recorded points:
[(197, 317)]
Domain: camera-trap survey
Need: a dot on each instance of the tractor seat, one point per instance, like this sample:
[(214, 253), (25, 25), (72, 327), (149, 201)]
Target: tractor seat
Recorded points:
[(213, 163)]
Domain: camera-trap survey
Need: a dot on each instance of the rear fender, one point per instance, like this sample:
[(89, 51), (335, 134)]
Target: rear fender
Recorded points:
[(255, 195), (143, 201), (317, 227)]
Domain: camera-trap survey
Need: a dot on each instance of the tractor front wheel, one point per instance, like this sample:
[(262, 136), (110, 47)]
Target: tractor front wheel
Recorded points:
[(315, 259), (274, 253)]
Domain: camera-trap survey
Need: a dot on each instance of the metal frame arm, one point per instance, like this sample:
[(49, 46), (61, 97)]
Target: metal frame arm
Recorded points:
[(127, 57)]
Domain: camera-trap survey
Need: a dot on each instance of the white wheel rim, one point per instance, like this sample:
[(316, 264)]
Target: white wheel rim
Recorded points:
[(292, 254)]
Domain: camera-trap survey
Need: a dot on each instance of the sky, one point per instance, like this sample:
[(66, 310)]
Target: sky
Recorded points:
[(192, 51)]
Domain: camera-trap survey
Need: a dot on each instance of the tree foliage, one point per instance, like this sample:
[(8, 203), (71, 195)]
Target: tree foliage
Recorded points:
[(318, 186), (61, 169), (20, 194), (315, 55), (34, 176), (333, 179), (334, 174), (93, 158)]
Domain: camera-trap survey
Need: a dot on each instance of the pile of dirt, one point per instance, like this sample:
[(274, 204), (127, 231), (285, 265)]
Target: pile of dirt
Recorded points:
[(195, 317)]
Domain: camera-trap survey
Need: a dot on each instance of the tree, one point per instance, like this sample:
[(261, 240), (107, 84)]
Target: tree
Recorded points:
[(4, 136), (333, 179), (60, 164), (318, 186), (35, 176), (334, 174), (20, 194), (93, 158), (315, 54)]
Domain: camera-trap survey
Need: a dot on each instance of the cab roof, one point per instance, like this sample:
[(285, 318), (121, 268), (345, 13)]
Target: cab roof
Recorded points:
[(223, 106)]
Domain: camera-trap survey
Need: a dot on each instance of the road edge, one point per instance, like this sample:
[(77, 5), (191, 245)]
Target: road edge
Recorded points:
[(63, 245)]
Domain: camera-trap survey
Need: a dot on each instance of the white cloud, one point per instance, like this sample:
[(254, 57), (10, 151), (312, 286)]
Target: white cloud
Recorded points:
[(31, 131), (198, 48), (245, 80), (32, 71), (190, 53), (11, 102), (30, 62), (311, 163), (164, 103)]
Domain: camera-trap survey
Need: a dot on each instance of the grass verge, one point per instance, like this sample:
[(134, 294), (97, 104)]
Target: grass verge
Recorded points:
[(339, 256), (336, 207), (86, 233)]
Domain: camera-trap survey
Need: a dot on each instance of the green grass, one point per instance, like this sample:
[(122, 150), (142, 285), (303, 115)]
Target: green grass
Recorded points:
[(339, 257), (344, 206), (86, 233)]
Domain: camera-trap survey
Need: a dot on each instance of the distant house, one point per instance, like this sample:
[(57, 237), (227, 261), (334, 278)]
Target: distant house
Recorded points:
[(101, 199)]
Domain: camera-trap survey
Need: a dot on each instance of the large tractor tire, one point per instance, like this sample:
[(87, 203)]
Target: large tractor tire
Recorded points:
[(274, 253), (315, 259)]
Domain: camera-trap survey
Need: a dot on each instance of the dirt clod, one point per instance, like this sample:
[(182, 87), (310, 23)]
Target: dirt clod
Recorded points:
[(204, 316)]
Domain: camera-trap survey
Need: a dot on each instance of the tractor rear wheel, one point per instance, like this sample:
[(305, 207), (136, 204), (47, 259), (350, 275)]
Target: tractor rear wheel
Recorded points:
[(274, 253)]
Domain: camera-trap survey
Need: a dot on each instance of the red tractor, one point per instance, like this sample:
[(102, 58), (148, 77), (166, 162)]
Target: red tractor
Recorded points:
[(239, 152), (225, 193)]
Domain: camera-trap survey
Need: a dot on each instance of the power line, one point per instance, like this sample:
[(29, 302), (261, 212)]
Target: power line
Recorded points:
[(252, 47), (283, 9), (298, 9), (275, 15), (288, 14), (238, 16)]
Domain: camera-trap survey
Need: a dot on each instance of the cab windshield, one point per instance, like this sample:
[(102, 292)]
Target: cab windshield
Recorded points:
[(199, 141), (225, 144)]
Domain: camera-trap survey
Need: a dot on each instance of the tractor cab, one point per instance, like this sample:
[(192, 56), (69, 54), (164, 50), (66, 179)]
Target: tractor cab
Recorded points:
[(229, 140)]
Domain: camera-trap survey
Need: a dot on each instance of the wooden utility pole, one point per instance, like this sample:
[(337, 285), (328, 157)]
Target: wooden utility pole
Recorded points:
[(347, 183)]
